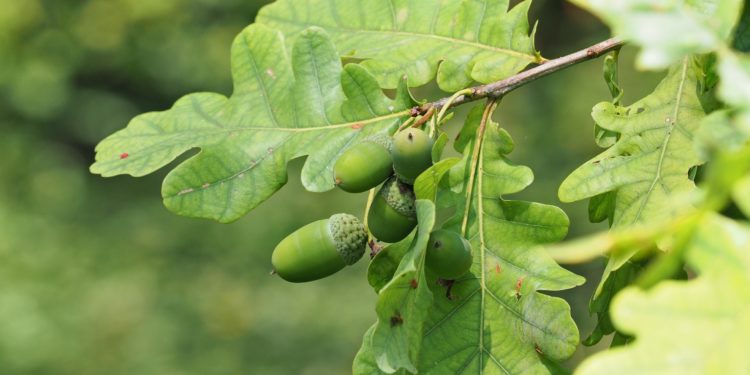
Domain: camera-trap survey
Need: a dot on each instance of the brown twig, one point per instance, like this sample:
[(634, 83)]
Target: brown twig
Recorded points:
[(500, 88)]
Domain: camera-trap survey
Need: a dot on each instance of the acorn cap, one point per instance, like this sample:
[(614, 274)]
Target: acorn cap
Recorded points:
[(349, 236), (382, 139), (400, 197)]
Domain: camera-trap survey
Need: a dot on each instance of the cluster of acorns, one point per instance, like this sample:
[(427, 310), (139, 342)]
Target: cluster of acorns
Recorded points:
[(324, 247)]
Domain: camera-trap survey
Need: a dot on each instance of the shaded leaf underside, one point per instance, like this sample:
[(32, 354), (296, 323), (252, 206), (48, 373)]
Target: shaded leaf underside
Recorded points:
[(282, 108), (459, 42)]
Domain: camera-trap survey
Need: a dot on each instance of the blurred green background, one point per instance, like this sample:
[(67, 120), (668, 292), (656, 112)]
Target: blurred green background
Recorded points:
[(96, 277)]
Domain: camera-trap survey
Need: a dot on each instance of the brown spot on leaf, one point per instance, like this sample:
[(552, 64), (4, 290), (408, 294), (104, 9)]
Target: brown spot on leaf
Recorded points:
[(124, 155), (396, 319), (357, 126), (538, 349), (519, 284), (413, 283)]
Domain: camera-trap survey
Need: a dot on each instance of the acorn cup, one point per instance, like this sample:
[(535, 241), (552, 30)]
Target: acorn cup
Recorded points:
[(448, 254), (320, 249), (411, 153), (393, 214), (365, 165)]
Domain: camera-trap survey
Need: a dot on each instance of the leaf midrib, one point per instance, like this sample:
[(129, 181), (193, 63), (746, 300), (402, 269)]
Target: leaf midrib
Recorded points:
[(665, 144), (441, 38)]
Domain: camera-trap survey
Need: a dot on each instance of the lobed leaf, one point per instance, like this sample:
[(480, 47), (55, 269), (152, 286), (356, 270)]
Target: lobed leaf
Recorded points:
[(404, 303), (459, 42), (385, 263), (697, 327), (497, 321), (283, 107), (427, 184), (648, 167)]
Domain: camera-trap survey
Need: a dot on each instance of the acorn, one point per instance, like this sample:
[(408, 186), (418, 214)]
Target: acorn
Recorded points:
[(393, 214), (320, 249), (448, 254), (411, 153), (365, 165)]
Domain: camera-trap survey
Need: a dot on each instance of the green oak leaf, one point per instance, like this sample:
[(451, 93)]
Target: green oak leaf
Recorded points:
[(283, 107), (364, 361), (742, 32), (439, 147), (383, 266), (722, 131), (602, 207), (496, 320), (404, 302), (427, 184), (696, 327), (734, 86), (668, 30), (457, 41), (649, 165), (611, 286), (605, 138), (652, 157), (741, 195)]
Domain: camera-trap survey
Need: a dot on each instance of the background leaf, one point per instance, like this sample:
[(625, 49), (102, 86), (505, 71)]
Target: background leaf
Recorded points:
[(281, 109), (697, 327), (496, 320), (742, 32), (668, 30), (648, 166), (458, 42)]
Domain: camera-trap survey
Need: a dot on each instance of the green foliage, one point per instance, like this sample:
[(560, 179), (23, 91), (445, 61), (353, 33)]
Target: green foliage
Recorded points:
[(385, 263), (459, 42), (668, 31), (294, 99), (742, 32), (638, 177), (735, 71), (247, 140), (403, 304), (495, 319), (427, 184), (698, 326), (653, 155)]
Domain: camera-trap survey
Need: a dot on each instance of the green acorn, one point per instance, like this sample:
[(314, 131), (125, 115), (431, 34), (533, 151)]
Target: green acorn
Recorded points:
[(365, 165), (393, 212), (448, 254), (412, 154), (320, 249)]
